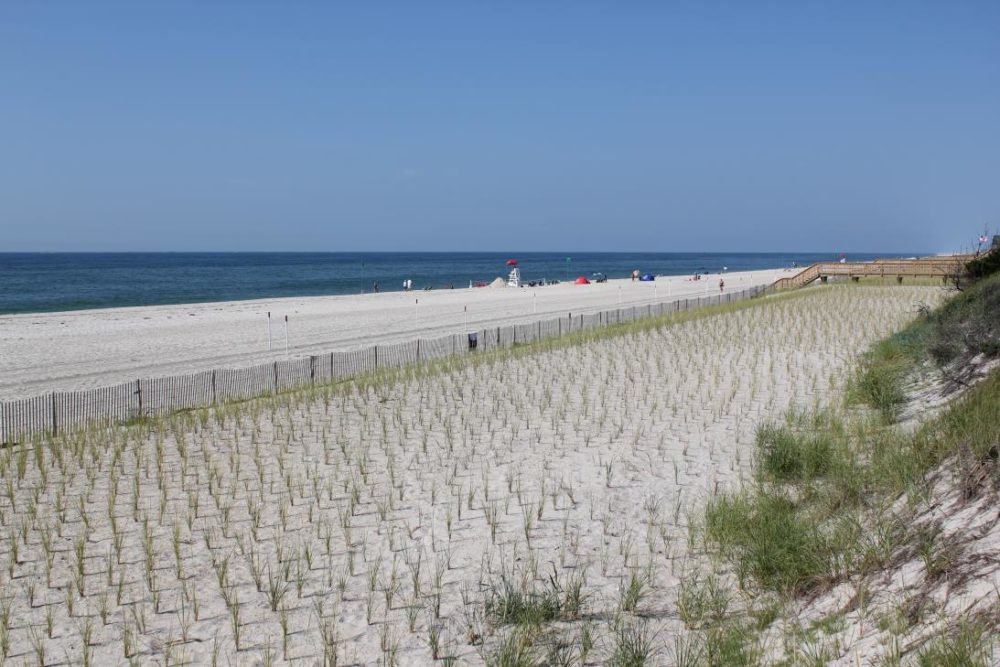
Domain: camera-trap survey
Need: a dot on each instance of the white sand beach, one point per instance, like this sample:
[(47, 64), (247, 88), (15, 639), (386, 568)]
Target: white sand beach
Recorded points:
[(90, 348)]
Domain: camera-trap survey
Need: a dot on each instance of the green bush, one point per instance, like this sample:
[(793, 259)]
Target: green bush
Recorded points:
[(732, 645), (788, 455), (702, 602), (512, 603), (511, 600), (968, 646), (880, 379), (985, 265), (771, 542), (634, 645), (968, 325)]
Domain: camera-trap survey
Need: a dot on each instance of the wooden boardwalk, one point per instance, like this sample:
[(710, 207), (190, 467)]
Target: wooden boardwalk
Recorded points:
[(923, 267)]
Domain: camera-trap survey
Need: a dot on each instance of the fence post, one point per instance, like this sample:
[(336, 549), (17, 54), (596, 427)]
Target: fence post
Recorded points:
[(418, 350), (138, 392), (214, 400), (376, 356), (54, 426), (312, 369), (276, 376)]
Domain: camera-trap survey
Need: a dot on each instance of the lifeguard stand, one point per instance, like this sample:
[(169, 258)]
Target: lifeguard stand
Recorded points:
[(514, 279)]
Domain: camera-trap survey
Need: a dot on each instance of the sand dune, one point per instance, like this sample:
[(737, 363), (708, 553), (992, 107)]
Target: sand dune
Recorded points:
[(372, 524)]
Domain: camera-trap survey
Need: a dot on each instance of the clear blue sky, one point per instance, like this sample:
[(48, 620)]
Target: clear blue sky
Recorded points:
[(485, 125)]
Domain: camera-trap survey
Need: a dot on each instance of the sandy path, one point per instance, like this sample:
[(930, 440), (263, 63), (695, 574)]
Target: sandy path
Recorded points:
[(91, 348)]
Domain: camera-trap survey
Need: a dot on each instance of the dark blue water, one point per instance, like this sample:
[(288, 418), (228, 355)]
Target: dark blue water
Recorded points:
[(37, 282)]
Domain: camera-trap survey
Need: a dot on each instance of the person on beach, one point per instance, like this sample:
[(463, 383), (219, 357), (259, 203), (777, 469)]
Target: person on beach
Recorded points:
[(635, 275), (722, 285)]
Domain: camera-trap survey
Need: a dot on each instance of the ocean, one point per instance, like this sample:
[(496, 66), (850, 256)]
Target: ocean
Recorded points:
[(45, 282)]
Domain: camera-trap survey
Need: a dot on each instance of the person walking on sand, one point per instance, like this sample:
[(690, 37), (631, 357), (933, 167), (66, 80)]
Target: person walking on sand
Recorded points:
[(722, 285)]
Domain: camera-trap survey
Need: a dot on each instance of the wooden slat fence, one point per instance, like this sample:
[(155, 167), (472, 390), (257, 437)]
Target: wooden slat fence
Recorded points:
[(59, 411), (233, 384), (162, 395), (101, 405)]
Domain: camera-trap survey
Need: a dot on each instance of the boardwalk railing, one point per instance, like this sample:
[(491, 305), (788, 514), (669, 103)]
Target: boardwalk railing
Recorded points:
[(63, 411)]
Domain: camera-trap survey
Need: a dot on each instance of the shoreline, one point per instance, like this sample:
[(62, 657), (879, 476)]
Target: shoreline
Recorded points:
[(82, 349), (54, 282)]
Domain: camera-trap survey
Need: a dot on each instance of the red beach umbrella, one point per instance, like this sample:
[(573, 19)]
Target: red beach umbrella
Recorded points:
[(511, 262), (582, 280)]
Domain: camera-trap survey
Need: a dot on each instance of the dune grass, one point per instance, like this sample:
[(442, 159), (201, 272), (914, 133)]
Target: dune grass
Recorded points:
[(814, 513), (799, 525), (967, 326), (963, 646)]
